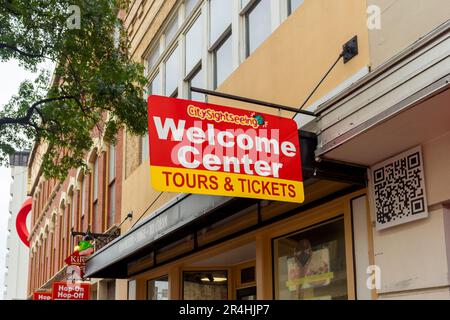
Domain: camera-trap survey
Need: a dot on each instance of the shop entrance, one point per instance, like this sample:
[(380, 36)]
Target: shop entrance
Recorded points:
[(226, 276)]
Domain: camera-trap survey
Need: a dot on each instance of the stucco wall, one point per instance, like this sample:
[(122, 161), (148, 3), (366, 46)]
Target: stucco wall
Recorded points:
[(402, 23), (414, 257)]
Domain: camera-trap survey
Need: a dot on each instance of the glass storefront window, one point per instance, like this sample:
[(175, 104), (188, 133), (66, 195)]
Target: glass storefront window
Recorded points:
[(205, 285), (132, 290), (311, 264), (158, 289)]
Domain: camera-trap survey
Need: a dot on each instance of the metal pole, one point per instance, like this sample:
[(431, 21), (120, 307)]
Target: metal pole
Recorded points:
[(253, 101)]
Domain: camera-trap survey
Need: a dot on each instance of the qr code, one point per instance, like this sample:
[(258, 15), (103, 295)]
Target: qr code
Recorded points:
[(399, 189)]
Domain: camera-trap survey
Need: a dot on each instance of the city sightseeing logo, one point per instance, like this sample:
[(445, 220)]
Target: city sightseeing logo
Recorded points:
[(254, 120)]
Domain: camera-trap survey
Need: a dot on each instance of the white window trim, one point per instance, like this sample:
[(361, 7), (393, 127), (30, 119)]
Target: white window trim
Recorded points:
[(279, 12)]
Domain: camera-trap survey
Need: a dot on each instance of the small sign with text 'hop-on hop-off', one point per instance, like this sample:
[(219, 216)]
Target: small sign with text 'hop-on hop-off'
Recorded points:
[(209, 149)]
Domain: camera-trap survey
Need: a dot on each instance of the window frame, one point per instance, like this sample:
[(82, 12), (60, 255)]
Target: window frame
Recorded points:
[(95, 192), (110, 219), (245, 13), (191, 75), (227, 35)]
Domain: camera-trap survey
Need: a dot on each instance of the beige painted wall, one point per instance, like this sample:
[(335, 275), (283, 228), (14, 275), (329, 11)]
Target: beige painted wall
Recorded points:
[(436, 158), (137, 195), (290, 63), (414, 257), (402, 23)]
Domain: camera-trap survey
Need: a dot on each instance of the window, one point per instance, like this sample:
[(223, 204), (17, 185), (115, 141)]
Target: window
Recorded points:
[(244, 3), (155, 85), (111, 186), (132, 290), (196, 80), (172, 74), (258, 24), (153, 88), (72, 211), (205, 285), (83, 197), (158, 289), (223, 63), (293, 5), (311, 264), (153, 57), (211, 39), (194, 45), (189, 6), (145, 152), (95, 196), (71, 220), (220, 18), (61, 232), (171, 30)]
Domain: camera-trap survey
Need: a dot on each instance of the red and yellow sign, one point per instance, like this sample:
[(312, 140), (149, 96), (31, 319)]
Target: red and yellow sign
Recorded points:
[(215, 150)]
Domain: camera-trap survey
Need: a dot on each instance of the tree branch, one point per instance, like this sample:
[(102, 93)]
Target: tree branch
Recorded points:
[(22, 52), (25, 120)]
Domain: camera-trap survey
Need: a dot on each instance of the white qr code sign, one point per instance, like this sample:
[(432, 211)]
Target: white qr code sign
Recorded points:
[(398, 186)]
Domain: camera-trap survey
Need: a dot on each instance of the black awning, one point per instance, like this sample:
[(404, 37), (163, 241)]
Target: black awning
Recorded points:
[(168, 224)]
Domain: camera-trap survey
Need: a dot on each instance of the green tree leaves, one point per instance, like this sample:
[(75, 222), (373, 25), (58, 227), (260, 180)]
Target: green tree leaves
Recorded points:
[(95, 89)]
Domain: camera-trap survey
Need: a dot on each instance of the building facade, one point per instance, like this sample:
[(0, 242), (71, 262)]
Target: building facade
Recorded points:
[(16, 277), (375, 156), (86, 201)]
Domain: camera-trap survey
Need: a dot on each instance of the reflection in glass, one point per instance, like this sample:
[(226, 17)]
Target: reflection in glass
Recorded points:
[(197, 81), (132, 290), (294, 4), (171, 30), (153, 57), (194, 45), (244, 3), (223, 62), (220, 18), (189, 6), (311, 264), (205, 285), (155, 86), (172, 73), (258, 25), (158, 289)]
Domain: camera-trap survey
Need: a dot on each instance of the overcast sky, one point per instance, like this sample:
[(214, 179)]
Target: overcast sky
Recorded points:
[(11, 75)]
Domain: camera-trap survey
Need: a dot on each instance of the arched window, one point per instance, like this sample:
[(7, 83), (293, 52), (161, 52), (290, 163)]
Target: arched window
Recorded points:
[(62, 232), (95, 208), (70, 219), (84, 201), (111, 186)]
